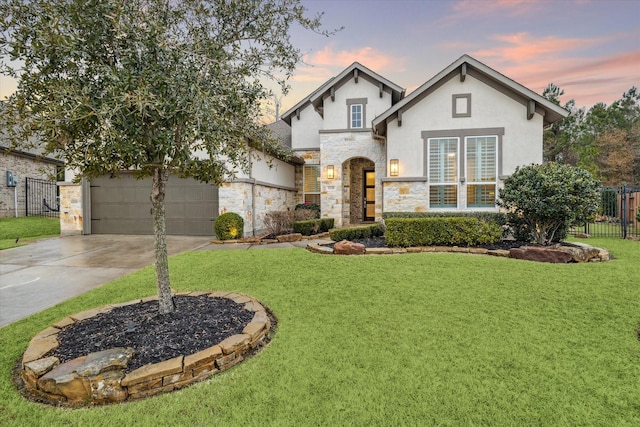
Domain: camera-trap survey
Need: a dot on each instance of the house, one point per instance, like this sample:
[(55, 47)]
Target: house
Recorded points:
[(18, 166), (362, 147)]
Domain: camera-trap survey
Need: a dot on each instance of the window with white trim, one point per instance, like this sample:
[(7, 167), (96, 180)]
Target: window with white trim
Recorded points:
[(482, 171), (355, 115), (443, 172), (311, 184)]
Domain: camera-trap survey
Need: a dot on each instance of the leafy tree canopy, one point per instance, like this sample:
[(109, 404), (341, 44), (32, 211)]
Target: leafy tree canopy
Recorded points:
[(154, 86)]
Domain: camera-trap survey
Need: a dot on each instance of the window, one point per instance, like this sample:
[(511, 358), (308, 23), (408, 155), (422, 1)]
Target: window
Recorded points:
[(443, 172), (356, 113), (481, 171), (461, 105), (311, 184), (356, 116)]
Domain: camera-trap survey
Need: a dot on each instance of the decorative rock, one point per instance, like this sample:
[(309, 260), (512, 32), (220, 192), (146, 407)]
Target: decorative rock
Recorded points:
[(294, 237), (106, 360), (581, 252), (204, 357), (38, 347), (106, 387), (235, 343), (39, 367), (253, 329), (346, 247), (541, 254), (157, 370), (583, 236)]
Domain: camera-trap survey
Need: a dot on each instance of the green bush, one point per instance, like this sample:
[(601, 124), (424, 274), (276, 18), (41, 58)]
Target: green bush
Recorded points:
[(310, 206), (313, 226), (228, 226), (498, 218), (548, 199), (352, 233), (638, 215), (447, 231)]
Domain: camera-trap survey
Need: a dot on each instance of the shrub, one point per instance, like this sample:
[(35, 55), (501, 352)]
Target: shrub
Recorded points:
[(309, 206), (228, 226), (352, 233), (304, 215), (547, 199), (498, 218), (313, 226), (447, 231), (278, 222), (638, 215)]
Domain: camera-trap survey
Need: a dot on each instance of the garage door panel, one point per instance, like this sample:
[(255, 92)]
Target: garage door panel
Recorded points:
[(122, 206)]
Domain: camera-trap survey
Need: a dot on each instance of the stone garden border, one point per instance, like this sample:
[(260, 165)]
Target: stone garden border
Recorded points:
[(99, 377), (577, 252)]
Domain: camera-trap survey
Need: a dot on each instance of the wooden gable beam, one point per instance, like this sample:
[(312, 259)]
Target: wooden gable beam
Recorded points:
[(298, 114), (399, 118), (333, 93), (355, 75), (463, 72), (531, 109), (381, 87)]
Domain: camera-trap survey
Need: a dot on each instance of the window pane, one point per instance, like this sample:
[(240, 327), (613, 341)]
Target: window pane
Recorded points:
[(312, 198), (481, 196), (481, 159), (312, 179), (443, 196), (443, 160), (356, 115)]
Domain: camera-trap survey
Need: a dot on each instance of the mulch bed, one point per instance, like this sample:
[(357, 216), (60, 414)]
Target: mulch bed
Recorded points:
[(380, 242), (198, 323)]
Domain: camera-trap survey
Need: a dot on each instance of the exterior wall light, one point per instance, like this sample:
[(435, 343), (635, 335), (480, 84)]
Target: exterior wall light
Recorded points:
[(330, 172), (394, 166)]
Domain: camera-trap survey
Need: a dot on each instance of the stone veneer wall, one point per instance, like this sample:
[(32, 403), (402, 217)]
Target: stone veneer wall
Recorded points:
[(336, 149), (70, 209), (100, 378), (402, 196), (22, 167), (237, 197)]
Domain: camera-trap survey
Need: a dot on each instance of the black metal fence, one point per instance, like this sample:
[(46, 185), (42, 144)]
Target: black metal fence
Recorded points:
[(42, 198), (616, 216)]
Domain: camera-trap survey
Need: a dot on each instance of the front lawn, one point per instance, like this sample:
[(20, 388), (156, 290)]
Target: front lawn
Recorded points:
[(412, 339), (17, 231)]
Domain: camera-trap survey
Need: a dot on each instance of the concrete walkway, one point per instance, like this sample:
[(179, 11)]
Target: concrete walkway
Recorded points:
[(45, 273)]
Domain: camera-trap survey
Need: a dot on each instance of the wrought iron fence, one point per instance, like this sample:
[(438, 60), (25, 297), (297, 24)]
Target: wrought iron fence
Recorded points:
[(616, 216), (42, 198)]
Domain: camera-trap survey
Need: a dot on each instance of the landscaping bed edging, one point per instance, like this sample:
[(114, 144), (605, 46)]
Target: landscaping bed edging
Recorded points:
[(99, 377), (578, 252)]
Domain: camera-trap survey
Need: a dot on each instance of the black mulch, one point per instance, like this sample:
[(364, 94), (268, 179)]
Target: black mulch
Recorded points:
[(198, 323)]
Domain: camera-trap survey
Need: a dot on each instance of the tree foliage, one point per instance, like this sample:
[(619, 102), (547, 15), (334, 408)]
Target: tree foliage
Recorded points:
[(604, 140), (547, 199), (154, 86)]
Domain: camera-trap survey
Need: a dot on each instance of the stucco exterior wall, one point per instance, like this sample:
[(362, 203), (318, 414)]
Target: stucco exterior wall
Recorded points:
[(522, 140), (22, 167), (336, 113), (273, 171), (304, 132)]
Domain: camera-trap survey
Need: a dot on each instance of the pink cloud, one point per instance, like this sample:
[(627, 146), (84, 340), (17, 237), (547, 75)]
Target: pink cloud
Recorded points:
[(368, 56), (463, 9)]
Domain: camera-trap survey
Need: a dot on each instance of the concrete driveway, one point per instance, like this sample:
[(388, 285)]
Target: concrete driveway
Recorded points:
[(45, 273)]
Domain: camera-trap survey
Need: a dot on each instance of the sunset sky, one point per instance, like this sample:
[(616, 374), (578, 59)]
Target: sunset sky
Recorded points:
[(591, 49)]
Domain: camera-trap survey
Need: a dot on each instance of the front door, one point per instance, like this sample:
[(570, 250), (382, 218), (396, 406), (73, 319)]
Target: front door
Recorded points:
[(369, 196)]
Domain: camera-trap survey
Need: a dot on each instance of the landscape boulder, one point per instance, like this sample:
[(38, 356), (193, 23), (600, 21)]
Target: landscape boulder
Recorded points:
[(346, 247), (540, 254)]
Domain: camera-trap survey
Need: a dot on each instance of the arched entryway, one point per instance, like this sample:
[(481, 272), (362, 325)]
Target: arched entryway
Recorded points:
[(360, 196)]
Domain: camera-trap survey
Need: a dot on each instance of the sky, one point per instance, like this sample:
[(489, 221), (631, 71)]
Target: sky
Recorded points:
[(589, 48)]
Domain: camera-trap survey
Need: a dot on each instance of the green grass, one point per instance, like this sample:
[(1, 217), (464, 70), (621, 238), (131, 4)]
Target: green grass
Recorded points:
[(414, 339), (26, 229)]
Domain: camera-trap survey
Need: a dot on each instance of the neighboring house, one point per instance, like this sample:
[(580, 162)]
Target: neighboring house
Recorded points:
[(23, 164), (362, 148)]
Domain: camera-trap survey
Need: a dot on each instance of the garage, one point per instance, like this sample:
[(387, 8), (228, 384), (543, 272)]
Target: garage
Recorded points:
[(121, 205)]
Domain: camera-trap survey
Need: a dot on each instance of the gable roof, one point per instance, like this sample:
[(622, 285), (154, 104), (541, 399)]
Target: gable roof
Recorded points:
[(468, 65), (355, 70)]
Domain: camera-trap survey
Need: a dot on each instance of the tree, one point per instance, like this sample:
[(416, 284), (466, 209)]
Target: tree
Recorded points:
[(548, 198), (559, 138), (154, 86)]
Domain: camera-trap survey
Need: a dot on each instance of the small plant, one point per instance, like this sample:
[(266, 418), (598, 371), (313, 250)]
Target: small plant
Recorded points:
[(278, 222), (304, 214), (228, 226), (352, 233), (441, 231), (638, 215)]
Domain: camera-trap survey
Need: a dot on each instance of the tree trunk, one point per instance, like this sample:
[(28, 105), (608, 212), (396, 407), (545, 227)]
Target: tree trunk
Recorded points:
[(165, 300)]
